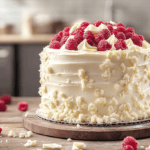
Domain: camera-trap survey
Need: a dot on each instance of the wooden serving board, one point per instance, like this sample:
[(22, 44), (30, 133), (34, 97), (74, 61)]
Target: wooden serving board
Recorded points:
[(40, 126)]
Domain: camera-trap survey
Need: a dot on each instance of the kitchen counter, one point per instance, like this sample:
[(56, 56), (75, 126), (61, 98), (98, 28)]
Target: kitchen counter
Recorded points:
[(19, 39), (12, 120)]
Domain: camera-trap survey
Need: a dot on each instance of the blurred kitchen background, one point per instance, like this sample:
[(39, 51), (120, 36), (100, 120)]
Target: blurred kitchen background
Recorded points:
[(26, 26)]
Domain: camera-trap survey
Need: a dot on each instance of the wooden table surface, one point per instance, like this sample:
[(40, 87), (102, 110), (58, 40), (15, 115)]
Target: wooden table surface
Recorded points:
[(12, 120)]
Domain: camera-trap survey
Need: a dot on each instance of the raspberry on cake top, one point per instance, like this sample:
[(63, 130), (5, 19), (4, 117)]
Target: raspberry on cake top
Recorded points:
[(96, 73)]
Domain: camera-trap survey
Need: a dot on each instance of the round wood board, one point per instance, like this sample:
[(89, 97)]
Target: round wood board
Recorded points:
[(40, 126)]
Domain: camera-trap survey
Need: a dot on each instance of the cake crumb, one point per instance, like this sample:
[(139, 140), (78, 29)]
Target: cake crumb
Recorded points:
[(78, 126), (22, 135), (52, 146), (69, 139), (29, 134), (142, 146), (78, 146), (11, 134), (30, 143), (6, 140), (26, 114)]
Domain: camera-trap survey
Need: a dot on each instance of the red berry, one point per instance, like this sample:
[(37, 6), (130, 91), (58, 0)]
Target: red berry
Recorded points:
[(22, 106), (84, 24), (106, 33), (128, 147), (129, 140), (6, 98), (130, 29), (60, 34), (67, 29), (115, 32), (121, 29), (79, 38), (90, 42), (120, 44), (65, 33), (78, 30), (129, 35), (0, 130), (55, 45), (56, 38), (103, 46), (88, 35), (141, 37), (136, 40), (63, 40), (71, 44), (108, 23), (98, 37), (3, 106), (120, 35), (120, 24), (110, 27), (97, 23)]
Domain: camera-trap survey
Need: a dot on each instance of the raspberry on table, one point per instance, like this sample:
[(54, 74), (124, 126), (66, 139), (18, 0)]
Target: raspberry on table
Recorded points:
[(64, 39), (129, 35), (128, 147), (106, 33), (3, 106), (97, 23), (129, 140), (120, 44), (130, 29), (98, 37), (56, 38), (136, 40), (120, 24), (88, 35), (67, 29), (120, 35), (103, 46), (121, 29), (0, 130), (22, 106), (71, 44), (6, 98), (55, 45)]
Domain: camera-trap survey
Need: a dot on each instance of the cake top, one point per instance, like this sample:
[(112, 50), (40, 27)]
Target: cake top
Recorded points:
[(98, 36)]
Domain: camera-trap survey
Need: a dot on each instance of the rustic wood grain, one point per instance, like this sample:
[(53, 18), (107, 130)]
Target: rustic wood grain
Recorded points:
[(7, 122)]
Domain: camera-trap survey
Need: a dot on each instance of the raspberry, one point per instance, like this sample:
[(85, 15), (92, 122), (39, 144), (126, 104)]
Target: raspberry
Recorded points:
[(98, 37), (67, 29), (78, 30), (115, 32), (120, 35), (129, 140), (60, 34), (97, 23), (79, 38), (121, 29), (128, 147), (129, 35), (65, 33), (3, 106), (110, 28), (136, 40), (106, 33), (71, 44), (88, 35), (6, 98), (108, 23), (22, 106), (84, 24), (90, 42), (141, 37), (104, 45), (130, 29), (120, 24), (120, 44), (55, 45), (0, 130), (63, 40), (56, 38)]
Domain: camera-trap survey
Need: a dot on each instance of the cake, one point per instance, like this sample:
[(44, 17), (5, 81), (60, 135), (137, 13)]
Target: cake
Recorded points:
[(95, 73)]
